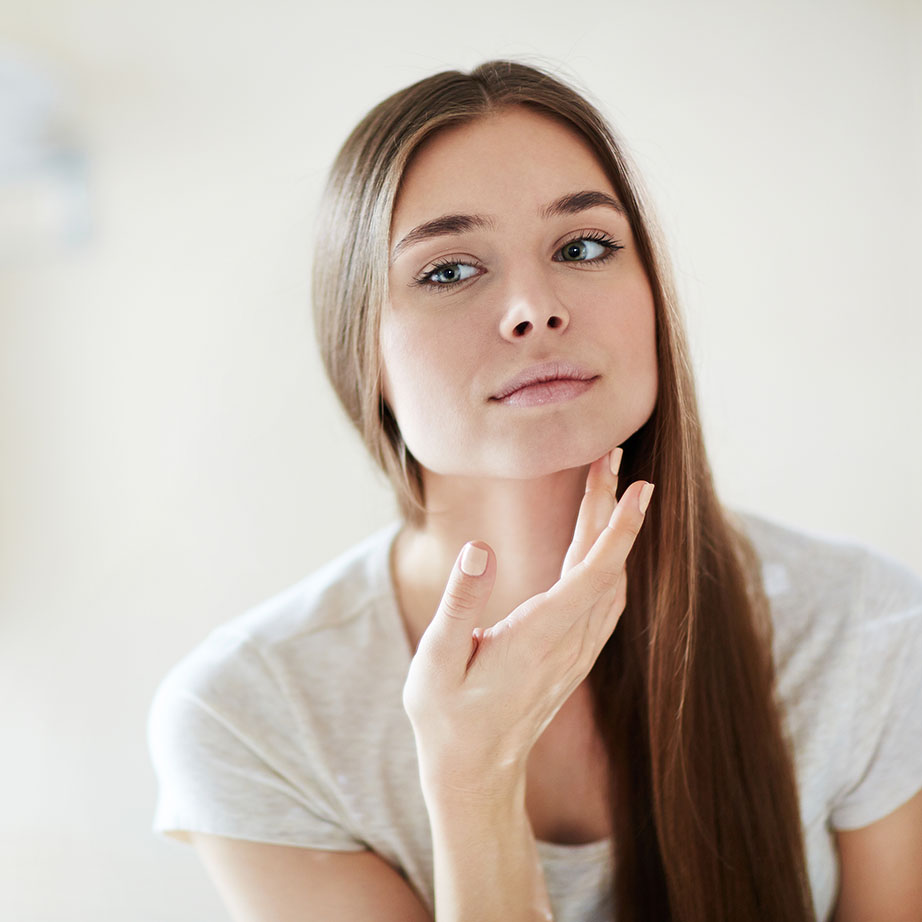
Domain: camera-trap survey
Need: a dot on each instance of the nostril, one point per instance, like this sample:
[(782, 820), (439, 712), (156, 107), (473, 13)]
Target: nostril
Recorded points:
[(554, 322), (522, 328)]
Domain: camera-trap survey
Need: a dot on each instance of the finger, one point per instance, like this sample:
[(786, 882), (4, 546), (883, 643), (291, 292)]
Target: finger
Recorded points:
[(596, 507), (596, 578), (604, 617), (448, 640)]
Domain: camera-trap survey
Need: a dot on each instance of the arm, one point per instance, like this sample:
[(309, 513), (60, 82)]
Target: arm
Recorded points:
[(881, 868), (486, 859), (281, 883)]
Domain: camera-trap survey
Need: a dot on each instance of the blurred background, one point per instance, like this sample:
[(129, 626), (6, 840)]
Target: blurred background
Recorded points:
[(171, 453)]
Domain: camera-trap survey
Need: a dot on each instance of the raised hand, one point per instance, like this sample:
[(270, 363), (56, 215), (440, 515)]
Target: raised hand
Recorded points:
[(479, 700)]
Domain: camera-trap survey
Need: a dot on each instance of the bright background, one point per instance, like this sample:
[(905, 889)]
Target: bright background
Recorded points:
[(171, 453)]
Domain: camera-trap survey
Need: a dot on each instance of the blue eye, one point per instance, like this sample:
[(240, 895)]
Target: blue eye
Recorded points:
[(447, 273), (587, 249)]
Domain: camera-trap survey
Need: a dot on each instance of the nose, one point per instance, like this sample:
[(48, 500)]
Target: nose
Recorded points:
[(532, 309)]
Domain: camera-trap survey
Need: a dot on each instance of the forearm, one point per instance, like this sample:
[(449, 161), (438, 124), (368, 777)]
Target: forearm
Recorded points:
[(486, 861)]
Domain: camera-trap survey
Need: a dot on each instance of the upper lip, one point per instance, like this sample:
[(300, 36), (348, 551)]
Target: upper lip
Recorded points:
[(547, 371)]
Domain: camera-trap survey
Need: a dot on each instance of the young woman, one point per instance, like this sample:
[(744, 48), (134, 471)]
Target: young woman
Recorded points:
[(548, 692)]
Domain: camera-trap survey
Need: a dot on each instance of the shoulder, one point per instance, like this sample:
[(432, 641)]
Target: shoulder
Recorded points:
[(333, 597), (806, 571), (342, 605), (789, 550), (250, 730), (847, 644), (295, 666), (838, 605)]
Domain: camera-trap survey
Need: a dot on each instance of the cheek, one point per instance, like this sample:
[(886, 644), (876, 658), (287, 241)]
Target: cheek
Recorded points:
[(422, 366), (640, 331), (637, 321), (627, 324), (404, 357), (624, 318), (426, 384)]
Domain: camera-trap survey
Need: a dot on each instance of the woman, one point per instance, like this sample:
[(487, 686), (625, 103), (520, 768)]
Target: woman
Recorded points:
[(624, 705)]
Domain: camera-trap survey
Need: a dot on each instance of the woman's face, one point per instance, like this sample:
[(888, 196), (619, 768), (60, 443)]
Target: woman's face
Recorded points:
[(511, 262)]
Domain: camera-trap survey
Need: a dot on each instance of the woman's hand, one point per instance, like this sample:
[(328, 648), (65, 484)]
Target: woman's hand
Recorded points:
[(478, 700)]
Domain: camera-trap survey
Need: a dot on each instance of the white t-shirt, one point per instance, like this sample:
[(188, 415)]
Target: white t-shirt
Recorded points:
[(286, 725)]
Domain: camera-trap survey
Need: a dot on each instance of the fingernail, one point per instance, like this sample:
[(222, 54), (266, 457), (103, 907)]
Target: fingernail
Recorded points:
[(473, 560), (645, 495), (615, 459)]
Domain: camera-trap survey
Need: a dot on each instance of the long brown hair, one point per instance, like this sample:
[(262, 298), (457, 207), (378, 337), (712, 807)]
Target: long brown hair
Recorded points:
[(703, 795)]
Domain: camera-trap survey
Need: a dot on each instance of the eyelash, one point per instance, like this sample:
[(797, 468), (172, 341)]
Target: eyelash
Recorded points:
[(611, 246)]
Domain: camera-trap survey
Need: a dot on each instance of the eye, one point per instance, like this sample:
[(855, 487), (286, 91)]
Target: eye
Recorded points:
[(446, 274), (451, 272), (587, 250)]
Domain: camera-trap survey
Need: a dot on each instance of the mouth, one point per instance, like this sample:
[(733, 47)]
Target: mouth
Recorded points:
[(548, 383)]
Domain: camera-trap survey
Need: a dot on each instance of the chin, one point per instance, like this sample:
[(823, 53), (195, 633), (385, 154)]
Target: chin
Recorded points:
[(550, 456), (527, 452)]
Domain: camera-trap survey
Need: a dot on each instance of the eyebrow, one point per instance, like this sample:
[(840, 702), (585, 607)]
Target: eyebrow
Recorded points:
[(571, 203), (575, 202)]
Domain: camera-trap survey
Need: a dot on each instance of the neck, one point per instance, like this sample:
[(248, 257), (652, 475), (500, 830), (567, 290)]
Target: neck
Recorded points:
[(528, 523)]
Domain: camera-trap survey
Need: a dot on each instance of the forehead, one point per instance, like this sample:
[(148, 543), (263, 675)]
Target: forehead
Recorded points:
[(514, 160)]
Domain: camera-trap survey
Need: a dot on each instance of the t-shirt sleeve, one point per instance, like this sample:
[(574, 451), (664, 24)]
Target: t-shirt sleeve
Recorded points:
[(885, 754), (233, 759)]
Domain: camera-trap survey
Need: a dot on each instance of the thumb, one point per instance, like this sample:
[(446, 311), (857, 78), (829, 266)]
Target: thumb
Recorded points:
[(448, 638)]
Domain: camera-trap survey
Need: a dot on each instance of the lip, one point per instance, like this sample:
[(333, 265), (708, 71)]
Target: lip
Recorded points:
[(546, 383)]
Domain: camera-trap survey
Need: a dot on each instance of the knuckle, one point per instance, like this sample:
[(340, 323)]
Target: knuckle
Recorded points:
[(602, 491), (632, 527), (459, 601)]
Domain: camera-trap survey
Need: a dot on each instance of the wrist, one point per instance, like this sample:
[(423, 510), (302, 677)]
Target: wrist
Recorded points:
[(455, 787), (485, 821)]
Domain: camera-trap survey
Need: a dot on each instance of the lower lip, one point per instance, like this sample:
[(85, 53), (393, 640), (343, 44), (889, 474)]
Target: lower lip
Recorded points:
[(537, 395)]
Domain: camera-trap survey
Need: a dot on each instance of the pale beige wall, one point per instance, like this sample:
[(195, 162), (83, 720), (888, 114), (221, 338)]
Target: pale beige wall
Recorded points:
[(171, 453)]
